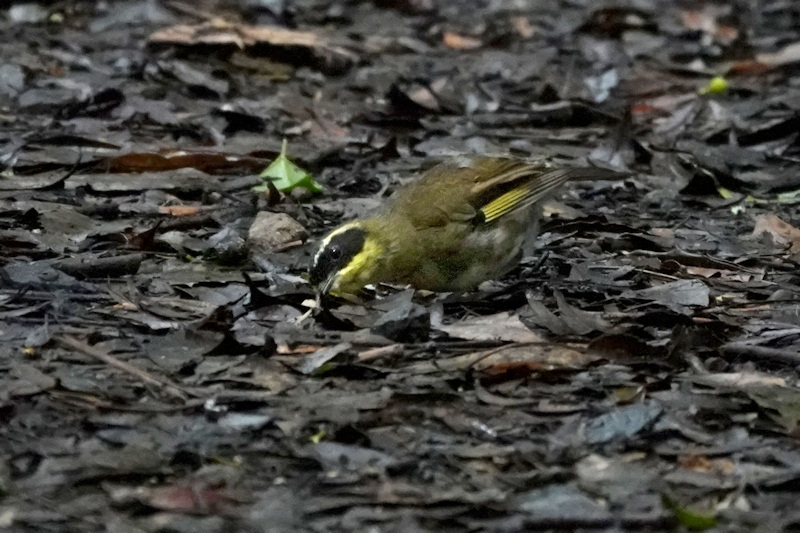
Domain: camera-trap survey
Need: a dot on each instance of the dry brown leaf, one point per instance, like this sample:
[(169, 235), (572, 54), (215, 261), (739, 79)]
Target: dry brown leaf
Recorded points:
[(706, 20), (523, 27), (241, 35), (179, 210), (284, 349), (788, 55), (729, 275), (460, 42), (208, 162), (782, 232), (707, 465), (544, 356), (541, 356), (288, 44)]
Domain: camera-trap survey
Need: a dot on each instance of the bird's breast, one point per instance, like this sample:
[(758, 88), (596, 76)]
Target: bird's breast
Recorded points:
[(479, 254)]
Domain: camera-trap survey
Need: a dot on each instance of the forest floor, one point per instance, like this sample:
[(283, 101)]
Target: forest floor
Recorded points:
[(160, 371)]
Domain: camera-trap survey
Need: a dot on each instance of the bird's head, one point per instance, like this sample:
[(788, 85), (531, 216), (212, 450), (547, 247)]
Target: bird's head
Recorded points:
[(347, 259)]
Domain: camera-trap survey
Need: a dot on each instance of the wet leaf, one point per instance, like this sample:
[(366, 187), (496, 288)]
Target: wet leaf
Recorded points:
[(499, 327), (404, 322), (782, 403), (320, 360), (681, 292), (334, 456), (561, 503), (622, 422)]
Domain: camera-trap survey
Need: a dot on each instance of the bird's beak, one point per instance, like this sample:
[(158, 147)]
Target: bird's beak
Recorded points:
[(325, 287)]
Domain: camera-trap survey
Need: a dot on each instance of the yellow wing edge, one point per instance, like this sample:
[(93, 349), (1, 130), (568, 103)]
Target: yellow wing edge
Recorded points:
[(525, 195)]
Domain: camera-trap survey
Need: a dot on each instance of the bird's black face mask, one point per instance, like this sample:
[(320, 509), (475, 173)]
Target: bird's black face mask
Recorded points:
[(335, 253)]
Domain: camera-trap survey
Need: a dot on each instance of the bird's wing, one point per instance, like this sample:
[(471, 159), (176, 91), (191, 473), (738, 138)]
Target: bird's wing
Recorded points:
[(517, 185), (526, 191), (481, 190)]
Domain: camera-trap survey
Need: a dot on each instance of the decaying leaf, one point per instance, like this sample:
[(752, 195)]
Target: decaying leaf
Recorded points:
[(782, 232), (681, 292), (313, 47), (500, 327)]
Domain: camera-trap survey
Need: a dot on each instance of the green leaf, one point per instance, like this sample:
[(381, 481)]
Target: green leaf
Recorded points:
[(691, 519), (261, 188), (725, 193), (286, 176), (789, 197), (716, 85)]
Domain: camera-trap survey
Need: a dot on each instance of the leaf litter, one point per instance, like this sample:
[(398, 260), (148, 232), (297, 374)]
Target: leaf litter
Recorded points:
[(160, 369)]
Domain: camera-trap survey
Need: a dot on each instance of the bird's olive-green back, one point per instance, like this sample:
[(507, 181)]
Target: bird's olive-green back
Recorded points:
[(456, 190)]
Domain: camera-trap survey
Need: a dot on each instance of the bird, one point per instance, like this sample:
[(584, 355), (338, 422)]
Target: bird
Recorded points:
[(462, 222)]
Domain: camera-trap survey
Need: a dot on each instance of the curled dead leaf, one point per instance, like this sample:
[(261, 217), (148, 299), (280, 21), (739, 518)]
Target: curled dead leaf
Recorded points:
[(782, 232), (460, 42), (179, 210)]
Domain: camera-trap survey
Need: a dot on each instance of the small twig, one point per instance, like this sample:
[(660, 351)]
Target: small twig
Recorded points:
[(499, 349), (373, 354), (233, 198), (761, 352), (681, 223), (161, 382), (287, 246), (187, 9), (657, 274)]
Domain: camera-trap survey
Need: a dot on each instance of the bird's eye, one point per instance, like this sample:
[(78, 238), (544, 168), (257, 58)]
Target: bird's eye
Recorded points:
[(335, 253)]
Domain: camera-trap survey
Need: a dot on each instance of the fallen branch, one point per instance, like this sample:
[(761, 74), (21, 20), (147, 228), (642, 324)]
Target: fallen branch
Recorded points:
[(761, 352), (162, 383)]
